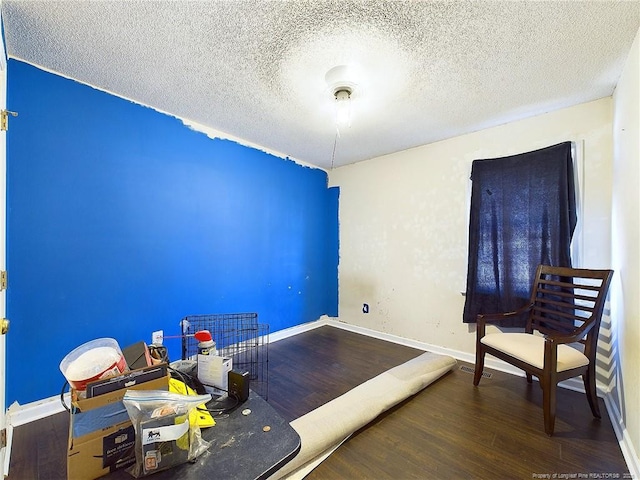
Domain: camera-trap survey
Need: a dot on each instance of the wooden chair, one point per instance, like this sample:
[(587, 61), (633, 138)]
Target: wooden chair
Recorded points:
[(565, 307)]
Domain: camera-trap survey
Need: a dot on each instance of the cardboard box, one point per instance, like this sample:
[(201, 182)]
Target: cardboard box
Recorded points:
[(101, 436)]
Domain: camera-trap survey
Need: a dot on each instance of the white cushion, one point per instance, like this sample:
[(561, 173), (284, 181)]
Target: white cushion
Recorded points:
[(530, 349)]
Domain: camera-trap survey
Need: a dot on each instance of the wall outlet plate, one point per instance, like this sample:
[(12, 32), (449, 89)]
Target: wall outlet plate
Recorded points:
[(157, 337)]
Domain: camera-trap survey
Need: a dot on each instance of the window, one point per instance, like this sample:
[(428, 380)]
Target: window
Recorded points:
[(523, 213)]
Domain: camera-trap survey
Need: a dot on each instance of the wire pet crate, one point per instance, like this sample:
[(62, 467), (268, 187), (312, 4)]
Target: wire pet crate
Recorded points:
[(238, 336)]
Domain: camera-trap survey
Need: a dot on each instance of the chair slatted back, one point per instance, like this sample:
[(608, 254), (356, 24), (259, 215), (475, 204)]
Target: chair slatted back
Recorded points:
[(566, 300)]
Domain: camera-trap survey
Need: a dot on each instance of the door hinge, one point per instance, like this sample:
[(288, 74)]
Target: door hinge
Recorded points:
[(3, 280), (3, 438), (4, 119)]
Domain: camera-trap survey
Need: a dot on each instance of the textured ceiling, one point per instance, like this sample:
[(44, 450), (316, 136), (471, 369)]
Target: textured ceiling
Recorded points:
[(254, 71)]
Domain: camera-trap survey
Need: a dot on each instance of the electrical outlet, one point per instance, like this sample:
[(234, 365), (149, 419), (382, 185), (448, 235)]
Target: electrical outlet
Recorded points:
[(157, 337)]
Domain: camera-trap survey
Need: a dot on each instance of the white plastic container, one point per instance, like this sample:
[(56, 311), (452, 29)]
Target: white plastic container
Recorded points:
[(94, 360)]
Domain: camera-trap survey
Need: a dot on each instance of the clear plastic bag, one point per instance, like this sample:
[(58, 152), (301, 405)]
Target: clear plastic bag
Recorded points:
[(164, 435)]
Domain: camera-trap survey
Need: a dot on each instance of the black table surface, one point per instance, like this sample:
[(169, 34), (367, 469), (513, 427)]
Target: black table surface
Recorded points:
[(240, 447)]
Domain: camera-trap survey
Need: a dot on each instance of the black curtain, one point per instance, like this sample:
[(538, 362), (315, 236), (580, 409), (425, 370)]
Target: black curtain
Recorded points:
[(523, 213)]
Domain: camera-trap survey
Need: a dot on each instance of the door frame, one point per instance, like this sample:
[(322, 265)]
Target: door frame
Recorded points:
[(4, 455)]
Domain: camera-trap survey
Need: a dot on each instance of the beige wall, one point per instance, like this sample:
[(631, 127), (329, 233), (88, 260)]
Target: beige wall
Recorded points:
[(625, 294), (403, 222)]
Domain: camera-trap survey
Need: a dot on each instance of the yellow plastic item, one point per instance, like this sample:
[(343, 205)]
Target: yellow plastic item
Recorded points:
[(197, 417)]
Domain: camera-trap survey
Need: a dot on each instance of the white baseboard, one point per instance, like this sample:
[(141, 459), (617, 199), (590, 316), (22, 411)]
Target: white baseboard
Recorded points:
[(490, 362), (305, 327), (626, 445), (495, 364), (29, 412)]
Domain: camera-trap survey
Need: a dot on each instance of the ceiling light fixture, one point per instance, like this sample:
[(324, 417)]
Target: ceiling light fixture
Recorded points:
[(341, 82)]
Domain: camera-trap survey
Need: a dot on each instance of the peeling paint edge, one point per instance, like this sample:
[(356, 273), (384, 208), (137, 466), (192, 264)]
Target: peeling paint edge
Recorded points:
[(191, 124)]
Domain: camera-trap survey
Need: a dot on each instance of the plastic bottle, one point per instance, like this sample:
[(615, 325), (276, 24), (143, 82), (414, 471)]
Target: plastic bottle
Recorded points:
[(206, 345)]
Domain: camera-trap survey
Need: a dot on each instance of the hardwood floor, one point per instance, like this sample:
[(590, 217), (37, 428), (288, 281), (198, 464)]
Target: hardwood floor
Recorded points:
[(315, 367), (449, 430)]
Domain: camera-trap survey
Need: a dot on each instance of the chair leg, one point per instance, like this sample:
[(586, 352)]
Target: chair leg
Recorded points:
[(590, 390), (549, 404), (529, 378), (477, 374)]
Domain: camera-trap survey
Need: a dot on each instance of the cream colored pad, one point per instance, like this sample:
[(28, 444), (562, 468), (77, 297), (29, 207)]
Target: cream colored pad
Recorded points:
[(325, 428), (530, 349)]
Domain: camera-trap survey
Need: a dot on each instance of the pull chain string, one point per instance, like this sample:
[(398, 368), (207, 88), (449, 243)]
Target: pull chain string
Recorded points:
[(335, 142)]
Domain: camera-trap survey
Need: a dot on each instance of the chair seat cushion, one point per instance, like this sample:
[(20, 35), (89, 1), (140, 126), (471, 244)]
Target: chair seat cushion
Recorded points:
[(530, 349)]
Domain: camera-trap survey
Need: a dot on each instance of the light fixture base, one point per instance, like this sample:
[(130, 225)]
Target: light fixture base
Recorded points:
[(339, 78), (342, 93)]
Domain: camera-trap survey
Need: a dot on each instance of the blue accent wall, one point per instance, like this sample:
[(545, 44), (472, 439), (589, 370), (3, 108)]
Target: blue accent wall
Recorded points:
[(121, 221)]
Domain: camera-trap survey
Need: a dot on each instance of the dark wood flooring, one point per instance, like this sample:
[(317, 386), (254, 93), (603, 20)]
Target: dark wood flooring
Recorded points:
[(449, 430)]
